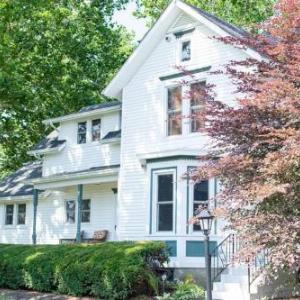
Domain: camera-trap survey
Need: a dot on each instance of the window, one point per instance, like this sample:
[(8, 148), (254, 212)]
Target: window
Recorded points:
[(174, 111), (9, 214), (200, 197), (21, 220), (81, 133), (70, 211), (186, 51), (85, 211), (197, 106), (165, 202), (96, 130)]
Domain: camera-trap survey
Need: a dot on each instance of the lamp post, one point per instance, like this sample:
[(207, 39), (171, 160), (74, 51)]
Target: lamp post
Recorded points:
[(205, 219)]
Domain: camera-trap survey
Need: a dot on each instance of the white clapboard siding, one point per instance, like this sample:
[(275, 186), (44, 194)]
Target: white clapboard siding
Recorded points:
[(75, 157), (144, 119), (51, 216)]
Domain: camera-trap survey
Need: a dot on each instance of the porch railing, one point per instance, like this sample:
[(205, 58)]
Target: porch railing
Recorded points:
[(222, 255), (255, 266)]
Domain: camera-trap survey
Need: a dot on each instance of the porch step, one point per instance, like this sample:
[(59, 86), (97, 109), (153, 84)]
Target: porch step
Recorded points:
[(233, 285)]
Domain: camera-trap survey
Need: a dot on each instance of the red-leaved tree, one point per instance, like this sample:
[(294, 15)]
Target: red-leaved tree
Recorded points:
[(258, 142)]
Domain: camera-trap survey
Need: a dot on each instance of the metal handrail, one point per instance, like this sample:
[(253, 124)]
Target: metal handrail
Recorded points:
[(255, 266), (223, 254)]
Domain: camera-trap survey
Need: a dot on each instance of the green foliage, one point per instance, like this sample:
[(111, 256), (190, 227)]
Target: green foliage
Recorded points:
[(55, 57), (185, 291), (113, 270), (239, 12)]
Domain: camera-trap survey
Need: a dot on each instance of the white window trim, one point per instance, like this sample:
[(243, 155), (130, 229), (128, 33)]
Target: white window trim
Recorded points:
[(14, 216), (185, 38), (186, 122), (90, 211), (76, 212), (65, 212), (211, 183), (154, 187), (91, 131)]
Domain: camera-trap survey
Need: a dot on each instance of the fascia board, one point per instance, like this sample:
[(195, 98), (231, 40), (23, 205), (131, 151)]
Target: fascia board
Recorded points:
[(82, 115), (143, 50)]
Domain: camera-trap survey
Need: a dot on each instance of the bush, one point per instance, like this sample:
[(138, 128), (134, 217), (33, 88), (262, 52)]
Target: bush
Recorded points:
[(113, 270), (186, 290)]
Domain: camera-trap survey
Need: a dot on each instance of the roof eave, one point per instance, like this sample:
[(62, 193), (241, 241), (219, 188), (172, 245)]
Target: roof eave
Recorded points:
[(88, 174), (46, 151), (124, 74), (82, 115)]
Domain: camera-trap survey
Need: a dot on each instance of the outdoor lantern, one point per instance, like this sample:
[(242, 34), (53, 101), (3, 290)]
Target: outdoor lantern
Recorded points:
[(205, 219)]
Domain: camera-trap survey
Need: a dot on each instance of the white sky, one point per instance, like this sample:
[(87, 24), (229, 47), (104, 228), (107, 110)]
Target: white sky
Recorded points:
[(125, 17)]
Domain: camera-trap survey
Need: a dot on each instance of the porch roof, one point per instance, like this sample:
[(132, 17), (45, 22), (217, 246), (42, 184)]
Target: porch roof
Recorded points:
[(86, 176), (13, 186)]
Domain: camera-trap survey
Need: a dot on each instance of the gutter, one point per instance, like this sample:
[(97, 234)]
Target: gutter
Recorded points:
[(83, 175), (82, 115)]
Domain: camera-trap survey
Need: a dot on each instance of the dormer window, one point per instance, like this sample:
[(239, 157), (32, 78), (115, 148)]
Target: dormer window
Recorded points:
[(81, 133), (96, 130), (186, 51)]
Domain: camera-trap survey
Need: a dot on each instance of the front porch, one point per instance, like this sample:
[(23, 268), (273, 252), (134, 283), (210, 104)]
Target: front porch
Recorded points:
[(73, 207)]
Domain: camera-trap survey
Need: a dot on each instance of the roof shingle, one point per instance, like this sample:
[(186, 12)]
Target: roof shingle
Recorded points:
[(14, 185)]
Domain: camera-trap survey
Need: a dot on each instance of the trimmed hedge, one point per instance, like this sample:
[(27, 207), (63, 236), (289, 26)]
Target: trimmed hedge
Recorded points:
[(112, 270)]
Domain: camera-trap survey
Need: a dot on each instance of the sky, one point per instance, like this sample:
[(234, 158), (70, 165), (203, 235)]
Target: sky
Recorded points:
[(125, 17)]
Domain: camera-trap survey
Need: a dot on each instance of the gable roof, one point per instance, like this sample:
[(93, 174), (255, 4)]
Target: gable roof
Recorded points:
[(14, 186), (231, 29), (158, 31)]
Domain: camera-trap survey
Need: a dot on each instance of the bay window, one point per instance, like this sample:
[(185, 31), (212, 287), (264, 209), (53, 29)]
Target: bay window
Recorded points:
[(164, 192), (200, 198)]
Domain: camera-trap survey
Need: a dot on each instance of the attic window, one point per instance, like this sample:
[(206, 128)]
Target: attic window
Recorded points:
[(186, 51)]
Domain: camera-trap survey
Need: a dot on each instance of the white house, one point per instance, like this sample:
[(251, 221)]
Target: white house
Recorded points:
[(124, 160)]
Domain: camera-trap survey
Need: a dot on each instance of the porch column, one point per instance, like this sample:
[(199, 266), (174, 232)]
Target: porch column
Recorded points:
[(79, 201), (35, 204)]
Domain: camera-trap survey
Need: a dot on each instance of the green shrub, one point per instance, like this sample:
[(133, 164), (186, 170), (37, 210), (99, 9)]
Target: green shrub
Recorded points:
[(113, 270), (187, 290)]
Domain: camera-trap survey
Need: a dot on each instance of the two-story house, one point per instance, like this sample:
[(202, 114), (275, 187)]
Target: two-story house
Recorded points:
[(119, 166)]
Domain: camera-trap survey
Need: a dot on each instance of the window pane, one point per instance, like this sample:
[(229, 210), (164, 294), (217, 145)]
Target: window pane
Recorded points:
[(165, 188), (174, 98), (174, 124), (85, 217), (21, 214), (195, 226), (201, 191), (85, 204), (197, 93), (85, 210), (186, 51), (165, 217), (197, 106), (9, 215), (96, 129), (70, 210), (81, 133)]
